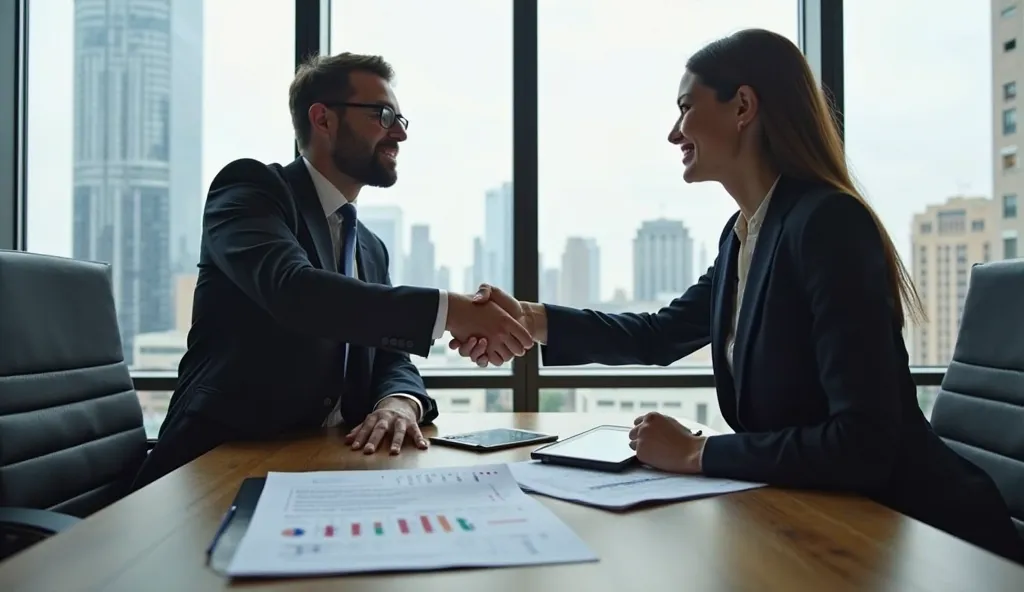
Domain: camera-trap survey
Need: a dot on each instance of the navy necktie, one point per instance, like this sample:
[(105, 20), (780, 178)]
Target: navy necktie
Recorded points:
[(347, 258)]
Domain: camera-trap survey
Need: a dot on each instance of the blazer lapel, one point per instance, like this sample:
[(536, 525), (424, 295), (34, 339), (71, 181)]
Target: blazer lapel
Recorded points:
[(312, 212), (366, 274), (757, 277), (721, 323)]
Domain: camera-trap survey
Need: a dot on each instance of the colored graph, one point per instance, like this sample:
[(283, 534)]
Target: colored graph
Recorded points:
[(422, 524)]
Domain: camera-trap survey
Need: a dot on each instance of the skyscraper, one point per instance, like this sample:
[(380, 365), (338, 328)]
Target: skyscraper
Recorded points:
[(1007, 70), (549, 282), (580, 276), (386, 223), (497, 242), (444, 278), (662, 260), (421, 269), (130, 153), (948, 239), (476, 273), (186, 108)]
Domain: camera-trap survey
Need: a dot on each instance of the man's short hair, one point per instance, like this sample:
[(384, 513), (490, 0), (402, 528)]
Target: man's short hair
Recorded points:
[(326, 78)]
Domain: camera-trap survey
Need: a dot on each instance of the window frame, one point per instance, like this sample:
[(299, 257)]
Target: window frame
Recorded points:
[(1009, 121), (820, 33)]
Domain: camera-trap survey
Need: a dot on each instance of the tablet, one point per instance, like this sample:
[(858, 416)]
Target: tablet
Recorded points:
[(604, 448), (491, 440)]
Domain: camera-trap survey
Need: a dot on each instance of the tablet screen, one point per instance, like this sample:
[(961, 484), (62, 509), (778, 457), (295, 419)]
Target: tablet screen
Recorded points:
[(609, 444)]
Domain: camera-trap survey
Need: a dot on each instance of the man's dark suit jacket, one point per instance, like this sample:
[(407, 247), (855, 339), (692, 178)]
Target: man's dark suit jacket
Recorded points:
[(822, 396), (271, 315)]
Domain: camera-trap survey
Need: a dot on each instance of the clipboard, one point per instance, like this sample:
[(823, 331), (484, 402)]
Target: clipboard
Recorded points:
[(229, 534)]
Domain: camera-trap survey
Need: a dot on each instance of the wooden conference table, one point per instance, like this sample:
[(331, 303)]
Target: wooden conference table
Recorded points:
[(760, 540)]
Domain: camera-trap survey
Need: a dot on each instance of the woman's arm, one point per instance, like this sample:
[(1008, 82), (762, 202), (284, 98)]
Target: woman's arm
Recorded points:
[(573, 336), (845, 275)]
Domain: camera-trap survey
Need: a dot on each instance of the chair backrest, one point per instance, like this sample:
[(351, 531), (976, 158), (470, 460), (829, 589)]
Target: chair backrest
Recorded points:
[(71, 428), (979, 410)]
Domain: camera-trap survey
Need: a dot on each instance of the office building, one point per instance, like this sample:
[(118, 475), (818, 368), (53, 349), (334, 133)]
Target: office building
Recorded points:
[(386, 223), (421, 268), (1007, 72), (580, 284), (947, 240), (497, 242), (662, 260), (137, 149)]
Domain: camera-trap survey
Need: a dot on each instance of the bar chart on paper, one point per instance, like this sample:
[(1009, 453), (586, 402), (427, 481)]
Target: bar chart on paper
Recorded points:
[(359, 521), (423, 524)]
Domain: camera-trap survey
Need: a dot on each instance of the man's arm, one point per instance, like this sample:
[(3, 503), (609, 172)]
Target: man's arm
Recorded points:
[(250, 233)]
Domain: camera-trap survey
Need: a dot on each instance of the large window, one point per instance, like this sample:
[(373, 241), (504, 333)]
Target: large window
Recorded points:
[(619, 229), (923, 162), (133, 106), (448, 220)]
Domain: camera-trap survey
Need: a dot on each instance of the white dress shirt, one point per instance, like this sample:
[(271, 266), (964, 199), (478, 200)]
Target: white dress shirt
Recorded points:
[(332, 199), (747, 231)]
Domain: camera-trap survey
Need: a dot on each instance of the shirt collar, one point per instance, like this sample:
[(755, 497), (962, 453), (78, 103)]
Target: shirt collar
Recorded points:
[(330, 197), (743, 227)]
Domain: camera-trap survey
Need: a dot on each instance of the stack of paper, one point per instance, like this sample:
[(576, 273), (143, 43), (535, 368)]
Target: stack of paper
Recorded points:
[(359, 521), (618, 491)]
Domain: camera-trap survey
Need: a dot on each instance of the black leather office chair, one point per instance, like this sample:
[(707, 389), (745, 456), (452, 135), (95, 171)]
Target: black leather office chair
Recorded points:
[(71, 430), (979, 410)]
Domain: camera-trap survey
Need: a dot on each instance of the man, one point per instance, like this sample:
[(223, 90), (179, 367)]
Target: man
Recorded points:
[(294, 322)]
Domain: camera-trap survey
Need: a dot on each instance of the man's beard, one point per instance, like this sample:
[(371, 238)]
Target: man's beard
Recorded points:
[(362, 164)]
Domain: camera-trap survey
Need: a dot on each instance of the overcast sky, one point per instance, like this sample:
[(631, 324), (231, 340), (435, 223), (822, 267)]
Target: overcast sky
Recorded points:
[(918, 109)]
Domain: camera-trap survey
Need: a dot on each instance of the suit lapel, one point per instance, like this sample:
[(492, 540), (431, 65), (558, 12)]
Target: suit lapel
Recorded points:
[(367, 263), (786, 191), (312, 212), (724, 301)]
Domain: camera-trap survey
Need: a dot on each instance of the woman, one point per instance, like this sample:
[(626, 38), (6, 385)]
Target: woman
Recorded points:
[(803, 307)]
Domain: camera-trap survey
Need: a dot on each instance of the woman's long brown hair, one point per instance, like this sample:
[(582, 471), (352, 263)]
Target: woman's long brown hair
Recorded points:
[(801, 136)]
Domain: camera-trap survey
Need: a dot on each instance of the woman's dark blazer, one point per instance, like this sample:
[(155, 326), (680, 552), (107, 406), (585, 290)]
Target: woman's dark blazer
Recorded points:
[(822, 396)]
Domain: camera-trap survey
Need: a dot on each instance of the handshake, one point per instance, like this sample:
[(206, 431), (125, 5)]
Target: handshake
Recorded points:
[(491, 326)]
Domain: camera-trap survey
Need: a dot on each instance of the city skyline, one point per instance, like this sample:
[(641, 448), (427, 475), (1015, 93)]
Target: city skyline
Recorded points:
[(587, 170), (657, 238)]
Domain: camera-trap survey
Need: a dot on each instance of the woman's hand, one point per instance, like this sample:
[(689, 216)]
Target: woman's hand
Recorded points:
[(663, 443), (532, 316)]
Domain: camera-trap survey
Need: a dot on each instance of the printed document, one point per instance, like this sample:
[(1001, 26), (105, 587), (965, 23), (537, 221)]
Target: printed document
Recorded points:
[(618, 491), (338, 522)]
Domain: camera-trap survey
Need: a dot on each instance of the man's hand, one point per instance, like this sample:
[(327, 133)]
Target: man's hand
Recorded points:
[(396, 416), (530, 316), (504, 335)]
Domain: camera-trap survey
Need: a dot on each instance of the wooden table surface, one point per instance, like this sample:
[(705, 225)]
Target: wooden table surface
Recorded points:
[(759, 540)]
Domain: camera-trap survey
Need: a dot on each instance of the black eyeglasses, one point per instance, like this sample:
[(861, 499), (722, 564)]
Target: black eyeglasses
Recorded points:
[(387, 115)]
